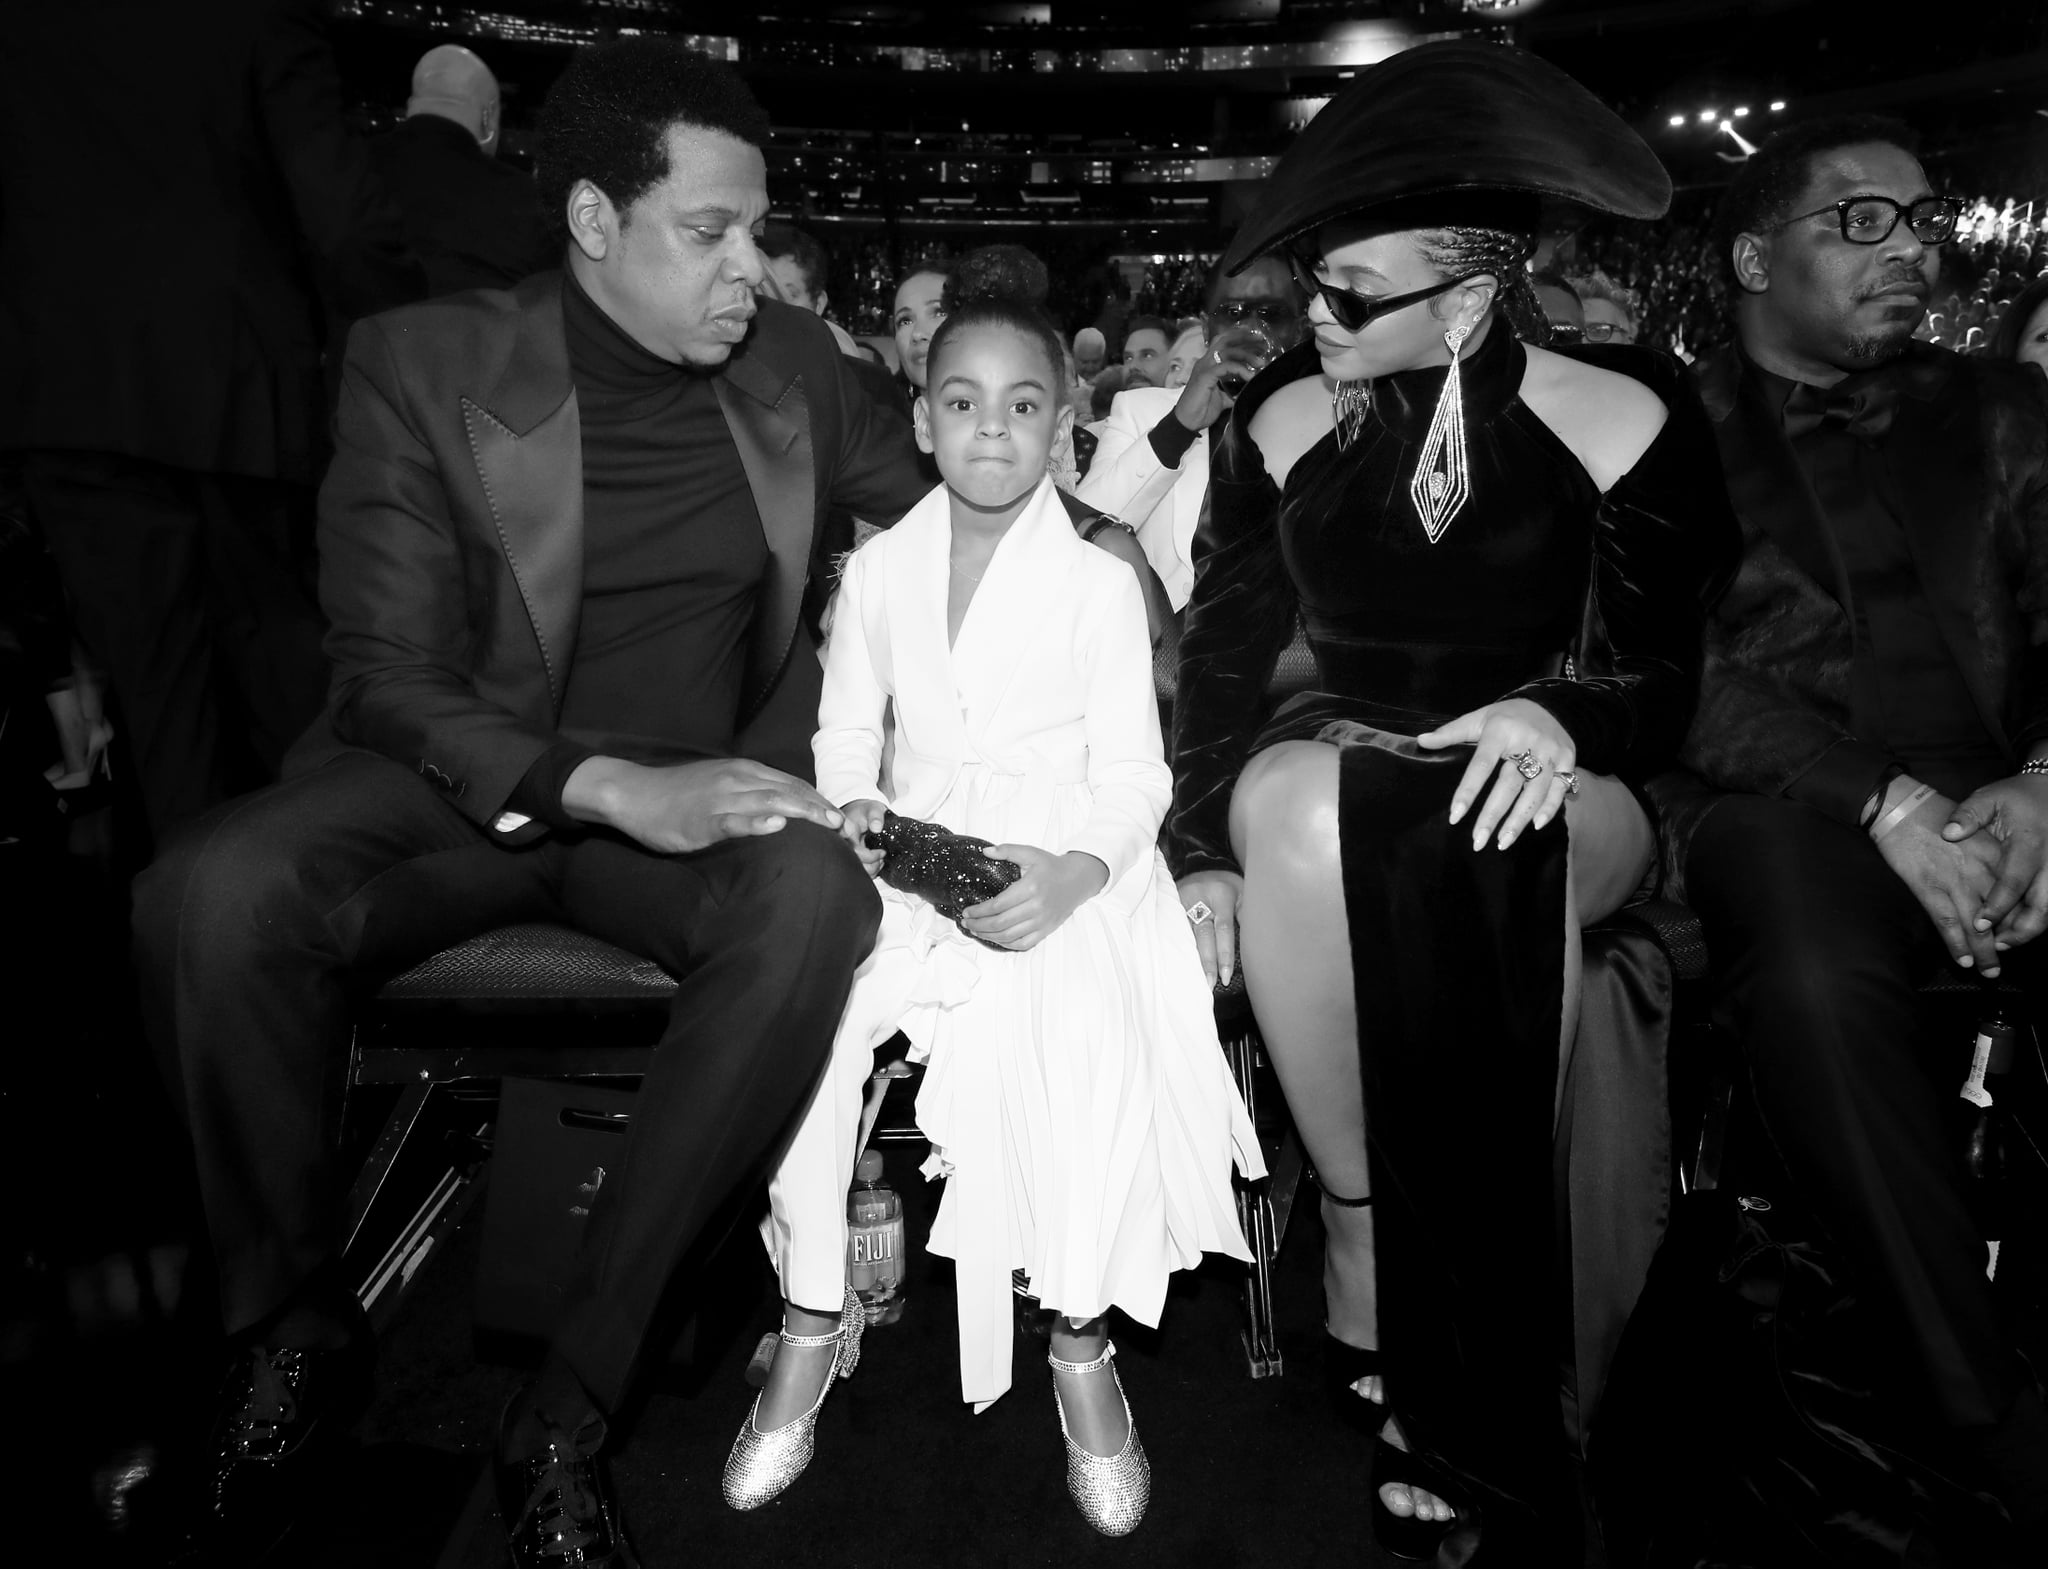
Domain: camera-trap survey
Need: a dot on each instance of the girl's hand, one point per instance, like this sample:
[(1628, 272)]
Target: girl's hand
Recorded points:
[(1032, 908), (1215, 938), (1498, 732), (859, 817)]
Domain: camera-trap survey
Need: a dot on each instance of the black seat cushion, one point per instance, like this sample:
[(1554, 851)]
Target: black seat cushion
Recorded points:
[(541, 963)]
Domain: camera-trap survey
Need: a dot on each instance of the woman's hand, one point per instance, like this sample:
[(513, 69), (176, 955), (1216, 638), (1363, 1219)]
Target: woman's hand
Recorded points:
[(858, 819), (1033, 907), (1499, 732), (1215, 938)]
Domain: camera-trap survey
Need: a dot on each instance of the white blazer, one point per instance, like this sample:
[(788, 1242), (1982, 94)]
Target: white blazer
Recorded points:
[(1050, 680), (1127, 480)]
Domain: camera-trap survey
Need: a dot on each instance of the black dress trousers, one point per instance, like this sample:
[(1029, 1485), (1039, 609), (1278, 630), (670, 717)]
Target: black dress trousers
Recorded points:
[(261, 922), (1818, 951)]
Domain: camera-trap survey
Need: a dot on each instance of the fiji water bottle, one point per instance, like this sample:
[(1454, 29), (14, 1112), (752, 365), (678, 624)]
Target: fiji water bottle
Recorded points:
[(874, 1241)]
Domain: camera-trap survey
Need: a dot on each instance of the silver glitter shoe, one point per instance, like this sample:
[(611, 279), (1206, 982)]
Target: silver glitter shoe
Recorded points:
[(1110, 1493), (762, 1464)]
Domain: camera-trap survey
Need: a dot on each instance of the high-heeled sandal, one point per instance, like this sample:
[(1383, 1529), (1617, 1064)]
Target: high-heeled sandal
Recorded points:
[(762, 1464), (1347, 1366), (1110, 1491), (1406, 1536)]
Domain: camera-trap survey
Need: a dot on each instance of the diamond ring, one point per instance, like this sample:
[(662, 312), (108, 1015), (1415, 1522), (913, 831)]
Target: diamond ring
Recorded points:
[(1570, 776), (1525, 765), (1198, 912)]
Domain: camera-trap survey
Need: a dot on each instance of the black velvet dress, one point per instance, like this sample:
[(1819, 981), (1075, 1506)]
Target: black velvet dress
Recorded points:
[(1540, 588)]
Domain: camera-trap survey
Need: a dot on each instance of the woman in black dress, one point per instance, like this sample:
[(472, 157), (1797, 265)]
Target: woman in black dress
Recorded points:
[(1500, 555)]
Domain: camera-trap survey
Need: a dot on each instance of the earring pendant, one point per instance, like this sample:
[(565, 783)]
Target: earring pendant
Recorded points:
[(1443, 481)]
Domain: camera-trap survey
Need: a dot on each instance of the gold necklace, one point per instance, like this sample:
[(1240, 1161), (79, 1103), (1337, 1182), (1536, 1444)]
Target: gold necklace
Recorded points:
[(972, 577)]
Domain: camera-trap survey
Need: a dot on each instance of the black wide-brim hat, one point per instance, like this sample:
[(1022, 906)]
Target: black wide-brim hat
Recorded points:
[(1452, 133)]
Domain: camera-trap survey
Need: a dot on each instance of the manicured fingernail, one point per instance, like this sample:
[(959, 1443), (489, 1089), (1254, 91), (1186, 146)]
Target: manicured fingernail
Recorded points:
[(1990, 972), (1507, 839), (1966, 961), (1982, 924)]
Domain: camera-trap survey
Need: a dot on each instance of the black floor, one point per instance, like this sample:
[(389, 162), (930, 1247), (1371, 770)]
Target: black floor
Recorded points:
[(106, 1355)]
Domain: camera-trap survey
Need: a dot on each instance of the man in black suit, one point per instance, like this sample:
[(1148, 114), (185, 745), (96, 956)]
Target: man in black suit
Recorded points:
[(1873, 724), (564, 546), (474, 223), (181, 191)]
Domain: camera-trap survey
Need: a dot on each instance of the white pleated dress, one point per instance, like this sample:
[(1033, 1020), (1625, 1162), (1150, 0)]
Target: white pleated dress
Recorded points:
[(1075, 1095)]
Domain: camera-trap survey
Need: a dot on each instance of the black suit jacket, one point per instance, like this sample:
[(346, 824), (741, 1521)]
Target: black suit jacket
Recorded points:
[(474, 223), (1968, 448), (451, 532), (178, 179)]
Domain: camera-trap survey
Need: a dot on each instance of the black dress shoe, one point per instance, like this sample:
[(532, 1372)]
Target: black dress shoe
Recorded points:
[(557, 1505), (282, 1414)]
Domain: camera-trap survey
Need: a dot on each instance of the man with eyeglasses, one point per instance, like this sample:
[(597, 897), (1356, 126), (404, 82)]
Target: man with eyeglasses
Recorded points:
[(1870, 754), (1611, 311), (1151, 469)]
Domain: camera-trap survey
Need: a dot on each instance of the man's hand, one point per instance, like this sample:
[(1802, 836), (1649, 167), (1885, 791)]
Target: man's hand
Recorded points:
[(2013, 815), (675, 810), (1216, 938), (862, 818), (1950, 878), (1238, 353), (1033, 907)]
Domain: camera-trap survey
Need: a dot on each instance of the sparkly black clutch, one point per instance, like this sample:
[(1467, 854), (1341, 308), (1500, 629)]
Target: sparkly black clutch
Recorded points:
[(945, 869)]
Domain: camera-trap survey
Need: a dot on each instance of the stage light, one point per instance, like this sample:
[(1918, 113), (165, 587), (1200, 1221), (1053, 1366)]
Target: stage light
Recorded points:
[(1777, 106), (1678, 119), (1709, 116), (1741, 111)]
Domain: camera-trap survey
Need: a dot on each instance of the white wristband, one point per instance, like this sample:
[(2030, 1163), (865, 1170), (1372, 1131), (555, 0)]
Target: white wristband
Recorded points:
[(1899, 813)]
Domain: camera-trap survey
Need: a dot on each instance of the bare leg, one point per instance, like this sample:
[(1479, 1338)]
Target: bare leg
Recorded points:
[(1297, 958), (1095, 1412), (1298, 967), (799, 1372)]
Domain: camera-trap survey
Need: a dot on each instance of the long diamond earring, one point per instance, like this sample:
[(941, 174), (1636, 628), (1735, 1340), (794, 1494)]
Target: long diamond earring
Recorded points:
[(1348, 403), (1442, 482)]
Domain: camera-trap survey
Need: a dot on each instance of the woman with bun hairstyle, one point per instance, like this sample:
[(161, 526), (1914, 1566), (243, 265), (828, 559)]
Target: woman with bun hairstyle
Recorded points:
[(1075, 1096), (1501, 556)]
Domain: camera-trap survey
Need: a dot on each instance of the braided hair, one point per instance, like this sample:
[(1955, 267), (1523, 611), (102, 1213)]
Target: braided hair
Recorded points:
[(1503, 253)]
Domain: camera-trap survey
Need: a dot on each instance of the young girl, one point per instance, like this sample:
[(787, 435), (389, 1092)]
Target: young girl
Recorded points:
[(1074, 1094)]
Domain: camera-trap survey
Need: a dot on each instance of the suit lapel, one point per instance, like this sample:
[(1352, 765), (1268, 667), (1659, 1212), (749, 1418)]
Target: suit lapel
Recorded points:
[(1935, 458), (527, 440), (1020, 598), (770, 422), (1768, 486), (922, 666)]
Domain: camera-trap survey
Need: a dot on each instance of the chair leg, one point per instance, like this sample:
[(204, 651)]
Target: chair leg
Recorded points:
[(1263, 1222), (398, 1127)]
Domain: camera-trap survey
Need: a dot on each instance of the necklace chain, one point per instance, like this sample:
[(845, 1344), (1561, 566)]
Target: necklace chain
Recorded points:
[(972, 577)]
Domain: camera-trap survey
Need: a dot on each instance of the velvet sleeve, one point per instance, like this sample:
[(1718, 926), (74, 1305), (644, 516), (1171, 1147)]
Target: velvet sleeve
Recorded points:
[(1665, 542), (1240, 617)]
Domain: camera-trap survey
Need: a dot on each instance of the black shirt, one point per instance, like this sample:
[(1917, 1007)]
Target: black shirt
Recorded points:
[(1909, 700), (673, 556)]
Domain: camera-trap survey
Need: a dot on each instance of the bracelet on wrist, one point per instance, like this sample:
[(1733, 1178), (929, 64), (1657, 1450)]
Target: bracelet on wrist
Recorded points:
[(1901, 812), (2035, 765)]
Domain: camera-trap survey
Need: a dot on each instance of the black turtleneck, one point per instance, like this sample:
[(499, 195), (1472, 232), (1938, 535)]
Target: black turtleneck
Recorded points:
[(673, 555)]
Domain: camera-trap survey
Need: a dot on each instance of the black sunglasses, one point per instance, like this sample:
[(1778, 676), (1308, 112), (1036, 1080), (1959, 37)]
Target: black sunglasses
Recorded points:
[(1273, 313), (1352, 311)]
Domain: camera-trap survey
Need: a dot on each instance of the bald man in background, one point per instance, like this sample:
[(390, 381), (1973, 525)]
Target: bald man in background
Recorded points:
[(474, 223)]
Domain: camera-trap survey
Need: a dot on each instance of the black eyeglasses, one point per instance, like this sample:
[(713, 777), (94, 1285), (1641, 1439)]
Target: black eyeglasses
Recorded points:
[(1608, 332), (1353, 311), (1869, 220)]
